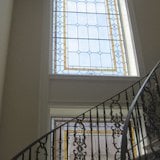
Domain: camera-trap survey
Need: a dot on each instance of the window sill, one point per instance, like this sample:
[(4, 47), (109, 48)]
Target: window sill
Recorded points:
[(93, 78)]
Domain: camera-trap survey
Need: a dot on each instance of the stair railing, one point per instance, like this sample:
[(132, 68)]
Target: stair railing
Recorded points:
[(95, 134), (151, 119)]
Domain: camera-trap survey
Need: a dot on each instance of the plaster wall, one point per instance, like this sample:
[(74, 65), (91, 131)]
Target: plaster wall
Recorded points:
[(20, 112), (5, 20)]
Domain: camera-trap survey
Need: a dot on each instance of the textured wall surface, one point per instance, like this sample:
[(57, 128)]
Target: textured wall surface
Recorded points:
[(5, 20), (21, 91)]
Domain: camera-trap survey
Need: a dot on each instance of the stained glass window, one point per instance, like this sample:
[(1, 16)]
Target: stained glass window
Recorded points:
[(88, 38)]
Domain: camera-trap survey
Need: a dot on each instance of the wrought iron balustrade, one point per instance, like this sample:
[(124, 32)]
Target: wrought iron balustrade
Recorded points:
[(97, 133), (149, 96)]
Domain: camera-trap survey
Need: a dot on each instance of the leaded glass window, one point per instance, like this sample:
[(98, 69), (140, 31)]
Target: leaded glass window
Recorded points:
[(88, 38)]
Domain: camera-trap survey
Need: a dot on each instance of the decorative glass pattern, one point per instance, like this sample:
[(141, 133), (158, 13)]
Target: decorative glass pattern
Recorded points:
[(88, 38)]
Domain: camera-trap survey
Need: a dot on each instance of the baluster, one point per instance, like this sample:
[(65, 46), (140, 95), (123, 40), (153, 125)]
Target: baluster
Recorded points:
[(106, 145), (30, 154), (45, 148), (79, 139), (130, 126), (117, 124), (67, 138), (144, 107), (53, 145), (42, 146), (99, 152), (60, 143), (91, 129), (136, 125), (22, 156), (141, 126)]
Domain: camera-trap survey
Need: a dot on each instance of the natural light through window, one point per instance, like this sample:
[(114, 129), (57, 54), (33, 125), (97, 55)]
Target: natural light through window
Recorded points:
[(92, 37)]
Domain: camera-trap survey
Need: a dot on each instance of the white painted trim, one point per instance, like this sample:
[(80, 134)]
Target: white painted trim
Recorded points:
[(72, 104), (43, 119), (136, 37), (80, 77), (5, 26), (67, 112)]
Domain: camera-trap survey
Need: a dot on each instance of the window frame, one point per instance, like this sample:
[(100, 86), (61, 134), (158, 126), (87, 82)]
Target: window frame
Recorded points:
[(136, 49)]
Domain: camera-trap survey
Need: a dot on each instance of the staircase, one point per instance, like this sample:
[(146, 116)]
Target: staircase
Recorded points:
[(124, 127)]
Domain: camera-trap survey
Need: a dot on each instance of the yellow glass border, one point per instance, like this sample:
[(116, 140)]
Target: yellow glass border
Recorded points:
[(114, 69), (83, 68), (100, 132)]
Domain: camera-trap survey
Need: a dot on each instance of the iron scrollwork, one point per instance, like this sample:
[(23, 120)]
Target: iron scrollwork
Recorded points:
[(79, 140), (117, 121), (42, 149)]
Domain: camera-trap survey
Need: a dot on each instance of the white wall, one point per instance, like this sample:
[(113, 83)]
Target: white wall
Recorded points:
[(5, 20), (148, 24), (23, 82)]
